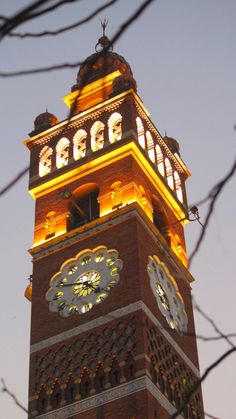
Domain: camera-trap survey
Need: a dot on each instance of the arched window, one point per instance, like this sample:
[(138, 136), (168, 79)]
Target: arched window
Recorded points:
[(79, 144), (160, 163), (178, 186), (169, 173), (83, 205), (45, 161), (140, 132), (114, 127), (62, 150), (97, 135), (150, 146)]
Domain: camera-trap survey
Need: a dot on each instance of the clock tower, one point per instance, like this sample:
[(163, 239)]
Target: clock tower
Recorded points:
[(112, 328)]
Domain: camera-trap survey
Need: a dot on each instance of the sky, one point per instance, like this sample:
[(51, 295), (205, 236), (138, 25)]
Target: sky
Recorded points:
[(182, 53)]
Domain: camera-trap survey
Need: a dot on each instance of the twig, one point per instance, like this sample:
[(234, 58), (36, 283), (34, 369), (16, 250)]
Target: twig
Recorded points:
[(212, 196), (65, 28), (4, 389), (211, 416), (118, 34), (26, 15), (14, 181), (198, 382), (211, 321)]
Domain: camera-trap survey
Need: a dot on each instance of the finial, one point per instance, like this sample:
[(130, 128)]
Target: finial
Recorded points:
[(46, 109), (104, 24), (165, 133), (104, 42)]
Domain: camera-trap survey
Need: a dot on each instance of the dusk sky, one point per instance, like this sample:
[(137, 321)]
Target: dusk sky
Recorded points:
[(183, 57)]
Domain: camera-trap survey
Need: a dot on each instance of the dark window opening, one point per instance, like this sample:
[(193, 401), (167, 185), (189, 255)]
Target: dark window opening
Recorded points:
[(85, 386), (115, 374), (42, 401), (160, 219), (83, 206), (130, 369), (56, 397), (100, 380), (70, 392)]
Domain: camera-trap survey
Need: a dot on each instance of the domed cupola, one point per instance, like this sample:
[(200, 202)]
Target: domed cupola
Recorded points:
[(172, 144), (101, 76), (103, 62), (43, 122)]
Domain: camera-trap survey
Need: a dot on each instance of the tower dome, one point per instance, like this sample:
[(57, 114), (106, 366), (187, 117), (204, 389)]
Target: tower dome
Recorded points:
[(172, 144), (44, 121), (103, 62)]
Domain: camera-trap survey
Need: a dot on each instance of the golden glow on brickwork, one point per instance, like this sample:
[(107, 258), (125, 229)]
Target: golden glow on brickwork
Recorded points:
[(40, 239), (130, 149), (96, 92)]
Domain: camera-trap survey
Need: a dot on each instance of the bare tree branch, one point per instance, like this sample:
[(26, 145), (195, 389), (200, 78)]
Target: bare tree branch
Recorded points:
[(64, 29), (211, 321), (211, 338), (198, 382), (19, 17), (212, 196), (26, 15), (13, 182), (4, 389), (51, 8), (118, 34), (211, 416)]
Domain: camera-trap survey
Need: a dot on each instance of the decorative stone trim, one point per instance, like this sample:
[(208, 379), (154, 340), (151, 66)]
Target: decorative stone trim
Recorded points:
[(100, 321), (139, 384), (75, 122)]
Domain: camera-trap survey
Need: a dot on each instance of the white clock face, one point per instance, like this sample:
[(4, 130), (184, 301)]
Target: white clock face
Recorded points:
[(84, 281), (167, 294)]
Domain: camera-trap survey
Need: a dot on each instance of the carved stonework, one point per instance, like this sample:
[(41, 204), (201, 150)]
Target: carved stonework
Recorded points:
[(116, 194), (50, 224)]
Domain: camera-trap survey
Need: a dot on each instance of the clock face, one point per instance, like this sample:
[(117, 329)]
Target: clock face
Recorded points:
[(84, 281), (167, 294)]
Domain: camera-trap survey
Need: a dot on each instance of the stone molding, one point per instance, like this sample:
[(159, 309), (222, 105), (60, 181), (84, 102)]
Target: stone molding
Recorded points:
[(123, 390), (116, 314)]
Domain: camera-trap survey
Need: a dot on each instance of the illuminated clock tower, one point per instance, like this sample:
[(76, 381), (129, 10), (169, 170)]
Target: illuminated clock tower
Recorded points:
[(112, 329)]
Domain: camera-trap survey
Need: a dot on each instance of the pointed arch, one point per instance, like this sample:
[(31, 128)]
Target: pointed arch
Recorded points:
[(115, 373), (140, 132), (130, 368), (79, 144), (100, 379), (97, 136), (56, 396), (115, 127), (70, 391), (45, 161), (85, 384), (62, 152), (42, 400)]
